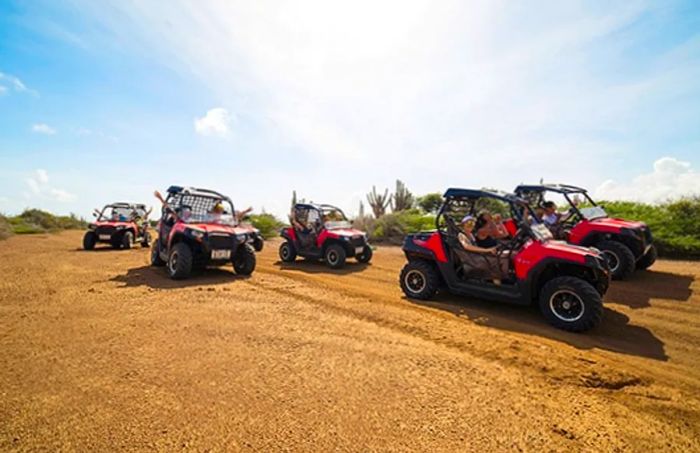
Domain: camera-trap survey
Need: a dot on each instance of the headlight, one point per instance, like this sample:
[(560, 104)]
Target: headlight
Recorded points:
[(92, 226), (241, 238), (196, 233), (346, 238), (120, 227)]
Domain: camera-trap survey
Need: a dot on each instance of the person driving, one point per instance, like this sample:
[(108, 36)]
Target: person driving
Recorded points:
[(479, 262), (489, 229), (306, 234)]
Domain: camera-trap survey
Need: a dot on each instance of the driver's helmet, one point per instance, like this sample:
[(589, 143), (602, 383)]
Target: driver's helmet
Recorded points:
[(218, 208)]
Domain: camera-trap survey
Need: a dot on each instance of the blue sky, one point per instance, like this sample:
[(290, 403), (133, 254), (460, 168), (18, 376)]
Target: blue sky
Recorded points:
[(104, 101)]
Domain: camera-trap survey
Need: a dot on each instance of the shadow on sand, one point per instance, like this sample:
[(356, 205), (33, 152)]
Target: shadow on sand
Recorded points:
[(613, 334), (157, 278), (319, 267), (641, 287)]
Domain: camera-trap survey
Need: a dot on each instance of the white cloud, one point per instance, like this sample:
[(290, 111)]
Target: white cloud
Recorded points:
[(669, 179), (3, 90), (216, 122), (39, 186), (41, 128), (15, 83)]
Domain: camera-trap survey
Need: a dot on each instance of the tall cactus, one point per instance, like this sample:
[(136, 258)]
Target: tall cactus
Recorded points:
[(294, 198), (403, 199), (377, 202), (361, 213)]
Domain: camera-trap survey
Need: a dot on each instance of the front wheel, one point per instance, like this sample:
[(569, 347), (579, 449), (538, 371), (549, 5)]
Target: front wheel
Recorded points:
[(146, 241), (648, 259), (127, 240), (180, 261), (570, 303), (89, 240), (156, 260), (620, 258), (366, 255), (258, 243), (419, 280), (244, 260), (287, 252), (335, 256)]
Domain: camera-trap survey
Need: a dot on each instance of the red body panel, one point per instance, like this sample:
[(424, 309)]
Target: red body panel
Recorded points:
[(434, 244), (291, 233), (180, 227), (336, 233), (116, 224), (533, 252), (604, 225), (510, 226)]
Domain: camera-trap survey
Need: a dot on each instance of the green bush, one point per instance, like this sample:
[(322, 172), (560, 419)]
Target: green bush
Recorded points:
[(33, 221), (268, 224), (392, 227), (675, 225)]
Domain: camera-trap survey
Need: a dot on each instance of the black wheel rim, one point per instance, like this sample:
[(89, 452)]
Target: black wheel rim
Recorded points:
[(612, 259), (415, 281), (285, 252), (332, 257), (172, 264), (567, 305)]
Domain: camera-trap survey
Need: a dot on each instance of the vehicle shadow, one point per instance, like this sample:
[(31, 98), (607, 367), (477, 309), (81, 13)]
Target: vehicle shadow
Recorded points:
[(319, 267), (109, 248), (613, 334), (641, 287), (157, 278)]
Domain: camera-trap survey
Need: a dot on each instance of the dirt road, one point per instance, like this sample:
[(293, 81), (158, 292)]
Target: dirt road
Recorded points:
[(98, 351)]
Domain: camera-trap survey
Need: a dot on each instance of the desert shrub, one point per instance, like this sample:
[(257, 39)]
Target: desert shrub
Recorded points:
[(394, 226), (675, 225), (5, 228), (268, 224), (37, 221), (430, 203)]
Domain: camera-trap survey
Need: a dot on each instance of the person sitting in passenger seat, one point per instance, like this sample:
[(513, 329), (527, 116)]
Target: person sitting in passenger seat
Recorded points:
[(306, 235), (479, 262)]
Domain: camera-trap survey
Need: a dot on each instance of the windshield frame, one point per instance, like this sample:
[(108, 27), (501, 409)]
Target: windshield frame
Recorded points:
[(103, 217), (197, 218)]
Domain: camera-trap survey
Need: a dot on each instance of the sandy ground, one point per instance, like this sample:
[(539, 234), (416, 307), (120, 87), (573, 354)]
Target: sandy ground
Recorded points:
[(99, 351)]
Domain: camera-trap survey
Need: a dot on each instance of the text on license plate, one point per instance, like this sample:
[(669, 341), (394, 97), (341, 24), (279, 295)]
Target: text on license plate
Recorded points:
[(222, 254), (359, 250), (105, 237)]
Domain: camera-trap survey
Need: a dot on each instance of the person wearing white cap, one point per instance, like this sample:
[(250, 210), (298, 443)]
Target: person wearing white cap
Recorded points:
[(479, 262)]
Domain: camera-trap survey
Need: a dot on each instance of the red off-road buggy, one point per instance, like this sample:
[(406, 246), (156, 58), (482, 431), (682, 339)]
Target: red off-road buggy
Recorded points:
[(626, 244), (198, 228), (321, 231), (568, 282), (119, 224)]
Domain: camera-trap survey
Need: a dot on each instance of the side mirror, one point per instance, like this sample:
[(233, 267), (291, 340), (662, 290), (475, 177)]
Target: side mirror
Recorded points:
[(94, 214)]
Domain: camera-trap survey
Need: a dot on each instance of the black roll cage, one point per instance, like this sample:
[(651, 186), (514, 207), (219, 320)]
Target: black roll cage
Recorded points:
[(471, 196), (564, 189), (131, 206), (174, 191)]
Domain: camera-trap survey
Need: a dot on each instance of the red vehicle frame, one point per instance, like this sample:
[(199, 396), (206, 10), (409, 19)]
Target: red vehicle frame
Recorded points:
[(333, 241), (626, 244), (568, 282), (125, 225), (189, 236)]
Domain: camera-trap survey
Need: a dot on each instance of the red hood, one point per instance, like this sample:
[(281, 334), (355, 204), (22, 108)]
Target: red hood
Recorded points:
[(345, 232), (535, 251), (561, 248), (216, 228), (609, 222), (112, 224)]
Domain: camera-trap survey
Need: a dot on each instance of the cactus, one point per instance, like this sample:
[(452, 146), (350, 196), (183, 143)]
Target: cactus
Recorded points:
[(294, 198), (377, 202), (361, 214), (403, 199)]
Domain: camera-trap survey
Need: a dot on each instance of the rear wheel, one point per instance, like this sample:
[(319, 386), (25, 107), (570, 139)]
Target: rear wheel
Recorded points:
[(89, 240), (244, 260), (156, 260), (620, 258), (287, 252), (366, 255), (335, 256), (146, 241), (419, 280), (127, 240), (648, 259), (258, 243), (570, 303), (180, 261)]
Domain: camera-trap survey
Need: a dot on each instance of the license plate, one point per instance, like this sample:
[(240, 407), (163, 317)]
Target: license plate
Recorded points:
[(105, 237), (223, 254), (359, 250)]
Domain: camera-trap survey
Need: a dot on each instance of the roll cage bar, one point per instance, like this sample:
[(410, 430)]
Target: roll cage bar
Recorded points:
[(320, 208), (174, 191), (124, 205), (468, 198), (563, 189)]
